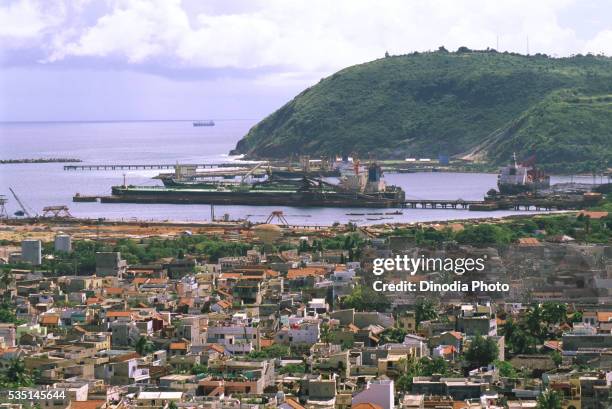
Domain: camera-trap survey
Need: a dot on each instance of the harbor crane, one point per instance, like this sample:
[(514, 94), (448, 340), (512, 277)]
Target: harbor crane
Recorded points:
[(24, 210), (250, 172)]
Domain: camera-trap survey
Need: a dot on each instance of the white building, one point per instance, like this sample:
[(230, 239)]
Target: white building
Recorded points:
[(379, 392)]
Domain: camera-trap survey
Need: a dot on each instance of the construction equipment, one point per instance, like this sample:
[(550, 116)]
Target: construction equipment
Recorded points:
[(278, 215), (250, 172), (24, 211), (56, 212), (3, 212)]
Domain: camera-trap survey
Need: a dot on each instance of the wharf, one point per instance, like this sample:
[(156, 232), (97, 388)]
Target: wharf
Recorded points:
[(473, 205), (156, 166)]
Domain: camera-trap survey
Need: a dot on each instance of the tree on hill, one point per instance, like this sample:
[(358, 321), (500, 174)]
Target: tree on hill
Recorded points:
[(549, 399), (484, 235), (481, 352), (364, 298), (425, 310)]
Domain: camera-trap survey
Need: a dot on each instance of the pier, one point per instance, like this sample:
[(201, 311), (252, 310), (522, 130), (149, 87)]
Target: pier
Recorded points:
[(156, 166), (430, 204), (440, 204)]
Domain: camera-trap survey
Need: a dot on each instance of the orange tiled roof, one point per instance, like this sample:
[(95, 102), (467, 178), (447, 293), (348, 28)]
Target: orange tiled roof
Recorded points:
[(146, 280), (224, 304), (125, 357), (604, 316), (217, 348), (93, 300), (49, 319), (294, 404), (593, 214), (305, 272), (87, 404), (117, 314), (366, 406), (114, 290), (528, 241), (456, 334), (266, 342), (178, 345)]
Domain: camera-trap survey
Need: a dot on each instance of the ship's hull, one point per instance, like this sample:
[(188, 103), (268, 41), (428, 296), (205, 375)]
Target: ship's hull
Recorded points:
[(515, 189), (254, 197)]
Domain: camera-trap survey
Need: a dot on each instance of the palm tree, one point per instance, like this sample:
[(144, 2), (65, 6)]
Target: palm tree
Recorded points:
[(549, 399), (16, 373), (6, 279)]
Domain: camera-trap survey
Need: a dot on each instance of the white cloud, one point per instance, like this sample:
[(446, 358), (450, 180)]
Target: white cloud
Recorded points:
[(600, 44), (26, 19), (314, 36)]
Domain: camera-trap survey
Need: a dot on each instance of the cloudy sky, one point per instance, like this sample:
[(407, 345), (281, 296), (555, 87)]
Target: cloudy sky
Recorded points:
[(221, 59)]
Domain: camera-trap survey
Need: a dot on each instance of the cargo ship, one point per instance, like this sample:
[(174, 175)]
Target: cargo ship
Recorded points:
[(204, 123), (361, 190), (521, 178)]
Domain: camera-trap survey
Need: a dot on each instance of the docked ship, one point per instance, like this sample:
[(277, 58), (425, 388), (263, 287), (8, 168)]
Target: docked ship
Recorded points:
[(360, 190), (521, 178), (204, 123)]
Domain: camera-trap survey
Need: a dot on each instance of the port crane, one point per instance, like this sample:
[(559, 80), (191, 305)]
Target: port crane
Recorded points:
[(250, 172), (24, 210)]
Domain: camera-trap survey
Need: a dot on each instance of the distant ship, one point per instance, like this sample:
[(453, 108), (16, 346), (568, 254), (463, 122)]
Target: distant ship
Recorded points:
[(204, 123), (520, 178)]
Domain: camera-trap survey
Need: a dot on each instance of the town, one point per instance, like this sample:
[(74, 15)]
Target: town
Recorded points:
[(225, 315)]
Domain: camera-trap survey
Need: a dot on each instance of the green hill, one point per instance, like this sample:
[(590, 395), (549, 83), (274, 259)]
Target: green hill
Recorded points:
[(480, 105)]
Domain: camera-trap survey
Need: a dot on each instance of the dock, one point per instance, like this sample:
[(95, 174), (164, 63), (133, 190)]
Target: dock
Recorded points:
[(154, 166), (430, 204)]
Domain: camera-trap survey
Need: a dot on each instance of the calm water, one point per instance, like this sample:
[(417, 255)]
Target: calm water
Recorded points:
[(40, 185)]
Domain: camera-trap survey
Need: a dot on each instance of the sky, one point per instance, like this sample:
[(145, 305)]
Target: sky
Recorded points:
[(78, 60)]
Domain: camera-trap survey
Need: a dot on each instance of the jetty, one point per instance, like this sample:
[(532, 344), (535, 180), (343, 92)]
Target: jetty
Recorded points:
[(135, 166)]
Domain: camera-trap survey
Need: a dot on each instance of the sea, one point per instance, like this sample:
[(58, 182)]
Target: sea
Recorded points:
[(154, 142)]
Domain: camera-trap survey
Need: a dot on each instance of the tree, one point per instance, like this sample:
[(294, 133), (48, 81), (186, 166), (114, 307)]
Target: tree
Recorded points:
[(534, 321), (6, 279), (556, 357), (16, 373), (393, 335), (364, 298), (143, 346), (549, 399), (198, 369), (554, 312), (505, 369), (485, 235), (482, 351), (425, 310), (172, 405), (433, 366)]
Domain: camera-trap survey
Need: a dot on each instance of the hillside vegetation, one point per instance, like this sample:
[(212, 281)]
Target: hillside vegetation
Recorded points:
[(479, 105)]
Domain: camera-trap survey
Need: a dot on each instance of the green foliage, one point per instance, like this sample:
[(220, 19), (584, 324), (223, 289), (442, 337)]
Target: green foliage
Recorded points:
[(549, 399), (7, 314), (292, 369), (15, 375), (482, 351), (556, 357), (435, 366), (485, 235), (364, 298), (506, 369), (424, 104), (199, 369), (143, 346), (554, 312), (273, 351), (425, 310), (393, 335)]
